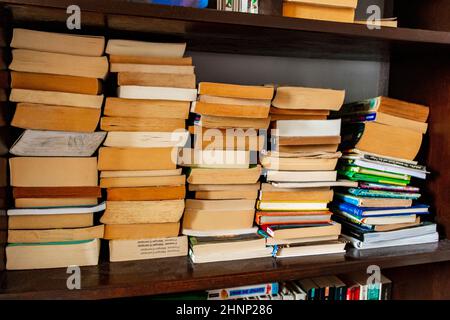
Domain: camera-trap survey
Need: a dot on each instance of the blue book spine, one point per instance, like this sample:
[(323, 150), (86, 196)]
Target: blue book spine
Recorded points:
[(349, 199), (349, 208)]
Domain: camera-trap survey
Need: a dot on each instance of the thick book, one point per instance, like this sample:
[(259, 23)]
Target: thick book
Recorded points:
[(368, 212), (226, 244), (187, 81), (220, 205), (278, 162), (128, 212), (161, 109), (428, 238), (55, 235), (216, 122), (301, 176), (232, 256), (53, 172), (353, 174), (25, 256), (146, 193), (389, 168), (290, 206), (228, 110), (211, 158), (318, 184), (141, 124), (58, 42), (145, 49), (50, 221), (38, 143), (134, 182), (142, 249), (270, 193), (302, 231), (224, 187), (348, 165), (55, 118), (56, 192), (381, 139), (235, 91), (307, 128), (390, 106), (156, 93), (57, 63), (155, 69), (110, 158), (141, 231), (377, 223), (295, 98), (226, 219), (373, 202), (185, 61), (57, 98), (292, 217), (311, 249), (122, 139), (55, 83), (56, 210), (224, 176), (219, 233), (323, 10), (21, 203)]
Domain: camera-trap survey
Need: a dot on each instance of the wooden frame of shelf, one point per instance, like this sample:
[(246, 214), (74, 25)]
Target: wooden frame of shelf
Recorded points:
[(419, 72)]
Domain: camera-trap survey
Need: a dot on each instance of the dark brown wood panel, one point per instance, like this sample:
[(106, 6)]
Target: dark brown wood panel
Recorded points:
[(149, 277)]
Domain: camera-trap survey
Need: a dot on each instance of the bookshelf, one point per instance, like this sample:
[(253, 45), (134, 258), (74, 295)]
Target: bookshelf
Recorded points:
[(419, 72)]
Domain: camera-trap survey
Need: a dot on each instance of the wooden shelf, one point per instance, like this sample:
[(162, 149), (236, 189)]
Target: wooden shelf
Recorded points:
[(233, 32), (149, 277)]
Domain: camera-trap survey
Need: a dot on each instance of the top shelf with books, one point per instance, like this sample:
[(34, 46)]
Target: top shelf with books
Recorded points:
[(232, 32)]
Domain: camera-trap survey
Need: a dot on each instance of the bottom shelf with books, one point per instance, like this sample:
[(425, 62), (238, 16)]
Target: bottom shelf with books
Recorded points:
[(151, 277)]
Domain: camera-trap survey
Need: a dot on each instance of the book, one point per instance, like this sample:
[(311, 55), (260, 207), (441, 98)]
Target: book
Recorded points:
[(278, 162), (302, 231), (219, 233), (272, 241), (56, 192), (295, 98), (290, 206), (383, 140), (187, 81), (56, 98), (211, 158), (224, 187), (51, 221), (318, 184), (226, 195), (141, 231), (368, 175), (295, 142), (297, 112), (38, 143), (226, 244), (228, 110), (224, 176), (389, 168), (428, 238), (307, 217), (226, 219), (271, 193), (134, 182), (20, 203), (126, 250), (243, 292), (129, 212), (146, 193), (156, 93), (145, 49), (389, 106), (385, 22), (60, 64), (140, 124), (153, 140), (373, 222), (307, 128), (276, 117), (56, 210), (155, 69), (117, 107), (215, 122), (305, 148), (312, 249), (110, 158), (53, 172), (55, 83), (387, 187), (373, 202), (58, 42), (233, 256), (220, 205), (233, 101), (368, 212), (323, 10), (55, 118), (185, 61), (366, 156), (300, 176), (235, 91), (55, 235), (24, 256), (140, 173)]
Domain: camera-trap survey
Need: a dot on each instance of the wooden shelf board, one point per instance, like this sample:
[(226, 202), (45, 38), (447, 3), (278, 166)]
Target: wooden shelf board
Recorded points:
[(150, 277), (234, 32)]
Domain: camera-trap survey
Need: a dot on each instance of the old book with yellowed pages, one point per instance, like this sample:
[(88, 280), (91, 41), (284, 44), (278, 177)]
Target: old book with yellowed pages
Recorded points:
[(55, 235), (141, 231)]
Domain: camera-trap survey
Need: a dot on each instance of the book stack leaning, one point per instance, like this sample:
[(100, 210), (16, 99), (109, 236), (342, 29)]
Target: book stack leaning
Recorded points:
[(223, 172), (384, 136), (138, 160), (300, 170), (56, 83)]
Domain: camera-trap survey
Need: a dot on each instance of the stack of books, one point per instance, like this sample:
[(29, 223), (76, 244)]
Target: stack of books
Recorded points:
[(56, 82), (300, 171), (384, 210), (138, 160), (330, 10), (4, 124), (223, 177)]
